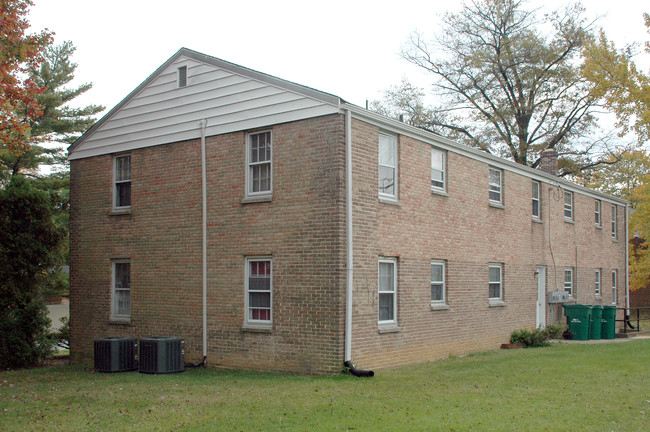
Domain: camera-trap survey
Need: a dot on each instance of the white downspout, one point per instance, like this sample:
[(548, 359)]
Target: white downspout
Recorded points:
[(627, 261), (350, 249), (204, 216)]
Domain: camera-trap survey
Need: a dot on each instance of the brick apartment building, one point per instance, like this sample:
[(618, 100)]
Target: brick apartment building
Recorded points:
[(277, 227)]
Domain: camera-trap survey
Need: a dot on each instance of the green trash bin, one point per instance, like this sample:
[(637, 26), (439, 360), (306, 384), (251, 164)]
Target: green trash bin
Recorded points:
[(577, 317), (596, 323), (608, 326)]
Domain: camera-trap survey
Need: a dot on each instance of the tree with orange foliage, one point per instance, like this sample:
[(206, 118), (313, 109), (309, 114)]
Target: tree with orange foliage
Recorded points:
[(616, 78), (19, 53)]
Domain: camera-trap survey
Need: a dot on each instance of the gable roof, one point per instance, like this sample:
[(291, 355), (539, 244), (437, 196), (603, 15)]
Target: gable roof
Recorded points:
[(230, 97)]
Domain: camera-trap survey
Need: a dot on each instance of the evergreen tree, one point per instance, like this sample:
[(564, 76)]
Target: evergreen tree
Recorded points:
[(57, 123), (29, 240)]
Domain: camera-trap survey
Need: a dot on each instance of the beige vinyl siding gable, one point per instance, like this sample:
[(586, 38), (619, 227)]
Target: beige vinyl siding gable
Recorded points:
[(160, 112)]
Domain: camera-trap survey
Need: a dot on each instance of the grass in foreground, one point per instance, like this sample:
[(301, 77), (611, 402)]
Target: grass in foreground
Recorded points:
[(562, 387)]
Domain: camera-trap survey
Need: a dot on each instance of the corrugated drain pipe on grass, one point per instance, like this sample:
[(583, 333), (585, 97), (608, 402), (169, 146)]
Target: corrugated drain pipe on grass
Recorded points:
[(199, 364), (358, 372)]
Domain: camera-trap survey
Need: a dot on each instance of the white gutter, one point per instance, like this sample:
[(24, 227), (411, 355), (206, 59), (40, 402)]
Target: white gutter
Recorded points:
[(350, 249), (204, 216)]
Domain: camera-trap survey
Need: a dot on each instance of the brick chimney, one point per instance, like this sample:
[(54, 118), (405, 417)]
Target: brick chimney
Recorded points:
[(548, 162)]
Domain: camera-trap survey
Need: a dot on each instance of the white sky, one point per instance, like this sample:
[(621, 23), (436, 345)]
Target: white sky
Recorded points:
[(349, 48)]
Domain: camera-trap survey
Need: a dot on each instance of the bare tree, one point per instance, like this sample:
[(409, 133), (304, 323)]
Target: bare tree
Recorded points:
[(508, 82)]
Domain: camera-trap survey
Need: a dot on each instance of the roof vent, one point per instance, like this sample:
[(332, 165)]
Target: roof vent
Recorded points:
[(182, 76)]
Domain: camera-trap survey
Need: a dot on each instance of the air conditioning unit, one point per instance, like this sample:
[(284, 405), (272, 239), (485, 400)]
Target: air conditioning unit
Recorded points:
[(159, 355), (558, 297), (116, 354)]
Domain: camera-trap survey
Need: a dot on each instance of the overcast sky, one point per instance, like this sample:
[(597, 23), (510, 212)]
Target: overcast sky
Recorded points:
[(348, 48)]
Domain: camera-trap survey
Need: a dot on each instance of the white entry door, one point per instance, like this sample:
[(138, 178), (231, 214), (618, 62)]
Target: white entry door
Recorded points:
[(541, 297)]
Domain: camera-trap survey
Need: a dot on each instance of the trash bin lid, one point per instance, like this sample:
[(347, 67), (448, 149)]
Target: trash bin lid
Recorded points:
[(576, 306)]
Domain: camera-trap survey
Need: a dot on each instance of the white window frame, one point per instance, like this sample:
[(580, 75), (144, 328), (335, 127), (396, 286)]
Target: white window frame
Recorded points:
[(116, 182), (568, 207), (597, 213), (597, 289), (536, 199), (250, 165), (495, 188), (437, 184), (393, 293), (248, 319), (568, 284), (614, 286), (392, 139), (614, 222), (442, 282), (115, 289), (495, 282)]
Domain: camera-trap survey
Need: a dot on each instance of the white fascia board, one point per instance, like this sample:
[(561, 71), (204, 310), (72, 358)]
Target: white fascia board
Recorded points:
[(395, 126)]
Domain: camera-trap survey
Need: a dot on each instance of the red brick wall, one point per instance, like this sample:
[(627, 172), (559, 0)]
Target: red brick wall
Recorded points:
[(640, 298), (464, 230), (302, 228), (161, 237)]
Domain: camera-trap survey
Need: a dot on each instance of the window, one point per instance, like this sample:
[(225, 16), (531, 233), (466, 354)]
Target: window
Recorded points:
[(387, 291), (614, 281), (122, 174), (182, 76), (597, 212), (537, 211), (614, 222), (437, 169), (259, 290), (495, 186), (568, 280), (597, 290), (259, 157), (388, 166), (495, 281), (568, 205), (121, 307), (438, 282)]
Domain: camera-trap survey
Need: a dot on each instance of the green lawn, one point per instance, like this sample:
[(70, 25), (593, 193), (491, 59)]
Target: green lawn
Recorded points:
[(560, 388)]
